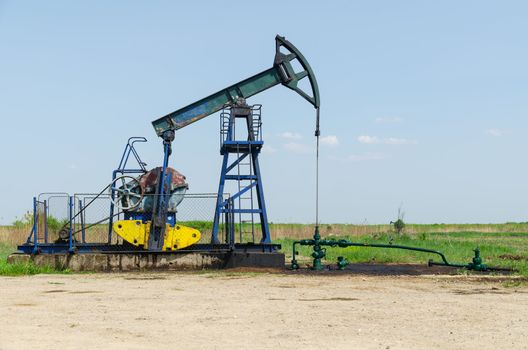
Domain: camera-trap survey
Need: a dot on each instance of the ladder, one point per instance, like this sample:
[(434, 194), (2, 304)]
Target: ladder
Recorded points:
[(248, 201)]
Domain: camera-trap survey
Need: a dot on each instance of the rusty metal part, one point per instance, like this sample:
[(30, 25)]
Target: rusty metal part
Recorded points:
[(149, 180)]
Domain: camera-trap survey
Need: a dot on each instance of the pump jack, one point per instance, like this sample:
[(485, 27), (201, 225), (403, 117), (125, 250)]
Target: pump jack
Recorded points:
[(156, 230)]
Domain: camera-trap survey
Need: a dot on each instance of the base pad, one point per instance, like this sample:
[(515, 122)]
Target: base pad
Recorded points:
[(153, 261)]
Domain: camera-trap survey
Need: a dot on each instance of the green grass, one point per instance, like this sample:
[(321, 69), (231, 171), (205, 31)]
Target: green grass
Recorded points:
[(497, 249), (503, 245), (21, 269)]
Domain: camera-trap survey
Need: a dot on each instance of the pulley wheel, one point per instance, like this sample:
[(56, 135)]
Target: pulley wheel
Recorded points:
[(127, 192)]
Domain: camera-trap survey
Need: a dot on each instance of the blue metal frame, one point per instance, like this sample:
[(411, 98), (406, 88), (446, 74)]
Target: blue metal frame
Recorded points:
[(122, 170), (32, 245), (242, 149), (90, 248)]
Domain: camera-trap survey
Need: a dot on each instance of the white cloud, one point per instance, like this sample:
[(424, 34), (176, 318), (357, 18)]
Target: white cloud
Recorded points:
[(290, 135), (359, 157), (495, 132), (300, 148), (388, 120), (330, 140), (268, 149), (396, 141), (372, 140), (364, 157)]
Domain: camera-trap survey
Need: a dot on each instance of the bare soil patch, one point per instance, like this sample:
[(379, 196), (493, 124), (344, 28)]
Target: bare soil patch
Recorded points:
[(243, 310)]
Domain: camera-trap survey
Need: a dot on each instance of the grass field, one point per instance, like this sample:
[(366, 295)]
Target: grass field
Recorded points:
[(501, 244)]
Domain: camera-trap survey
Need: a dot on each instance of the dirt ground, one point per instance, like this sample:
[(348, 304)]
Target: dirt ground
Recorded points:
[(261, 311)]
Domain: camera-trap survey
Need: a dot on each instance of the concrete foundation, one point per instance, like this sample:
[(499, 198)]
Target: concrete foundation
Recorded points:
[(152, 261)]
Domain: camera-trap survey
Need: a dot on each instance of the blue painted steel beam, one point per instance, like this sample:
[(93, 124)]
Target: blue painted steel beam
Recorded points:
[(241, 177), (91, 248), (243, 211), (236, 195), (236, 162)]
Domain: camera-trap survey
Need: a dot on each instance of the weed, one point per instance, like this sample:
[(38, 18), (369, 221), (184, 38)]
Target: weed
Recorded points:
[(21, 269)]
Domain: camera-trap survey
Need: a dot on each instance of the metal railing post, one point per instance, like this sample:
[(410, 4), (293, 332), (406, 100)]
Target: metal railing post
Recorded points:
[(81, 210), (231, 229), (70, 217), (35, 218), (46, 221), (112, 196)]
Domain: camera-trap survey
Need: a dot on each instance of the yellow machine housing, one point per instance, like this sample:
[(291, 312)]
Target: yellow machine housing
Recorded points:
[(137, 233)]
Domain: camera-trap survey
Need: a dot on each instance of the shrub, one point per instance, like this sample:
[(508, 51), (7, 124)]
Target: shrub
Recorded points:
[(399, 225)]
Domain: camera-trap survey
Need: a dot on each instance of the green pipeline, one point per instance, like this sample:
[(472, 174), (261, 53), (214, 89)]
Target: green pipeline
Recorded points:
[(319, 252)]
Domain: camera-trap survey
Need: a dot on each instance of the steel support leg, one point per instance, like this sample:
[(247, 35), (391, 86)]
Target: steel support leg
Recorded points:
[(260, 200), (219, 200)]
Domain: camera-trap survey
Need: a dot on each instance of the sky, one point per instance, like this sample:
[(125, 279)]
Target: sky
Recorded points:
[(423, 103)]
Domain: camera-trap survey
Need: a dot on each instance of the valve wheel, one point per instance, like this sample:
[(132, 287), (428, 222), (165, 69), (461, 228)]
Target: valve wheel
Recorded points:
[(123, 192)]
